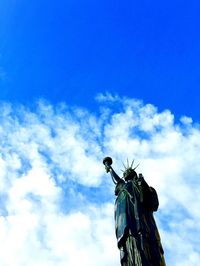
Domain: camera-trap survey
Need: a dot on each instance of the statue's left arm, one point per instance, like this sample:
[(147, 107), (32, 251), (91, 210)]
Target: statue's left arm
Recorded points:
[(149, 194)]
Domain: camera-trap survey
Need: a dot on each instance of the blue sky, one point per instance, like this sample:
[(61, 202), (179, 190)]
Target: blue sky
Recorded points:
[(80, 80), (60, 50)]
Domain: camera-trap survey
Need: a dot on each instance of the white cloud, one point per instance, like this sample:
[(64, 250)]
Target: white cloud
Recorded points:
[(56, 201)]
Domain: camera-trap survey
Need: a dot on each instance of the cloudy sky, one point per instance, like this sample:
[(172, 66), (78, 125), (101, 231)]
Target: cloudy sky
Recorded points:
[(81, 80)]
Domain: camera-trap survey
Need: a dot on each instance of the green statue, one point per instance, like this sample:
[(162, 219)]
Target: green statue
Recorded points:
[(137, 235)]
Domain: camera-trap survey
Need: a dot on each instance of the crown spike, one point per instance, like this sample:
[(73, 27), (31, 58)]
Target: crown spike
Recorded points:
[(127, 163), (132, 163), (124, 165), (136, 167)]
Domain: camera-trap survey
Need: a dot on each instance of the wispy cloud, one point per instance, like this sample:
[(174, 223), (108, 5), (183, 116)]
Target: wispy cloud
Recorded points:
[(56, 202)]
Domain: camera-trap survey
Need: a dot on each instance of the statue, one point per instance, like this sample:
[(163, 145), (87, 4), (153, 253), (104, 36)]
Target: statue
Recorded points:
[(137, 235)]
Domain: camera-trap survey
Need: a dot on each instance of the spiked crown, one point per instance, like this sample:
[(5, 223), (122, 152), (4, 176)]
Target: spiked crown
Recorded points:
[(129, 171)]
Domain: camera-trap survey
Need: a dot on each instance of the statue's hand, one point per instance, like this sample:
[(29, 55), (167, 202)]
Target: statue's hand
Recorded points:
[(140, 179), (108, 168)]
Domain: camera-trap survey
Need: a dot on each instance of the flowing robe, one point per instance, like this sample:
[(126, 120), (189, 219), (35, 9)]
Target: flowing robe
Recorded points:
[(137, 235)]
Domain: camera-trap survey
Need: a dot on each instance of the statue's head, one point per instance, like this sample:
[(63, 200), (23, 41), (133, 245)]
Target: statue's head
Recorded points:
[(129, 173)]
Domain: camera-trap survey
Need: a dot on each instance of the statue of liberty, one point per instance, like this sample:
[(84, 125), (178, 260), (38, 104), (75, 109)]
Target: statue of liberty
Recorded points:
[(137, 235)]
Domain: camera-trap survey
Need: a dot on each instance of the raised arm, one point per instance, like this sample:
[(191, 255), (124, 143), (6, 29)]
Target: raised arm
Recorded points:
[(114, 176)]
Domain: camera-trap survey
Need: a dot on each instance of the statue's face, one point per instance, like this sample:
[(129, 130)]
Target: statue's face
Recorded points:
[(129, 174)]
